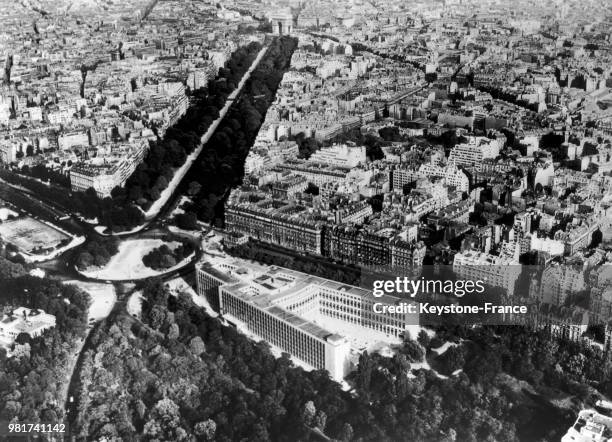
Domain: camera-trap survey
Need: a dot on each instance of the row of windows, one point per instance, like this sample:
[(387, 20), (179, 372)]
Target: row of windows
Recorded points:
[(363, 314), (283, 235), (276, 331), (310, 302), (205, 282), (374, 325), (346, 300)]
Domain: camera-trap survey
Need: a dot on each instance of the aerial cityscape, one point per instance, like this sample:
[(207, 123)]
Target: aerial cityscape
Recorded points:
[(336, 220)]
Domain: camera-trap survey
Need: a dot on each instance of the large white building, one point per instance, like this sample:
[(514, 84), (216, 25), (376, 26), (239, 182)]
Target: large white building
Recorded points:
[(340, 155), (298, 313), (496, 271), (451, 175), (590, 426), (473, 152)]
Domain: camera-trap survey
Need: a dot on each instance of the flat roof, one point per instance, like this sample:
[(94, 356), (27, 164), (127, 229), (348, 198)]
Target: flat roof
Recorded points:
[(278, 282)]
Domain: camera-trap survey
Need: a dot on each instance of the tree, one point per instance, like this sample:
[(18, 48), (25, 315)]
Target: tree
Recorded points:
[(424, 339), (308, 413), (413, 351), (197, 346), (154, 193), (135, 193), (173, 331), (84, 260), (307, 146), (161, 183), (28, 380), (347, 433), (194, 188), (312, 189), (452, 359), (389, 133), (320, 420), (167, 261), (187, 221), (364, 372), (101, 259), (164, 421), (373, 148), (157, 316), (23, 338), (10, 270), (206, 429)]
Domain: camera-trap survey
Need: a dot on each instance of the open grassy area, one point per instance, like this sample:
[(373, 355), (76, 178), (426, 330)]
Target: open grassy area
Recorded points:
[(30, 235)]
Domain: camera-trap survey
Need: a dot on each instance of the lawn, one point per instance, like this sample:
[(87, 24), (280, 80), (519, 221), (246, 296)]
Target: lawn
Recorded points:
[(30, 235), (127, 263)]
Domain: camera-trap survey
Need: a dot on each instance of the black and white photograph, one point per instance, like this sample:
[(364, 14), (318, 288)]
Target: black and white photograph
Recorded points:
[(306, 220)]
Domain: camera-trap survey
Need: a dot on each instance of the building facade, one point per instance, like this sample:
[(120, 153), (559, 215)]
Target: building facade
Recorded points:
[(297, 312)]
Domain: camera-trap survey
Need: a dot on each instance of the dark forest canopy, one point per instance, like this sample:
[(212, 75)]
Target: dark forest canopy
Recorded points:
[(184, 374), (31, 386)]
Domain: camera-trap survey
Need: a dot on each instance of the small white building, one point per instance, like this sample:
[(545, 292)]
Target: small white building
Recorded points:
[(24, 320)]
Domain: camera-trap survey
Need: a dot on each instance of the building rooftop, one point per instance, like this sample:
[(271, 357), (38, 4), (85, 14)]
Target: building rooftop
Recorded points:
[(270, 287)]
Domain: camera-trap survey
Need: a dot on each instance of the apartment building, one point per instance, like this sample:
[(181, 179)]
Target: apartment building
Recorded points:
[(289, 186), (386, 247), (406, 254), (355, 213), (340, 155), (451, 175), (578, 237), (496, 271), (104, 176), (356, 246), (455, 212), (315, 173), (8, 151), (401, 177), (103, 179), (472, 153), (562, 322), (275, 228), (558, 281)]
